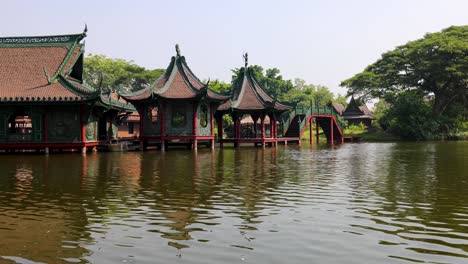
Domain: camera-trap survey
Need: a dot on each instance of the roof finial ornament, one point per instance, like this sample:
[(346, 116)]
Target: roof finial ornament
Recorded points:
[(177, 49), (246, 59), (85, 28)]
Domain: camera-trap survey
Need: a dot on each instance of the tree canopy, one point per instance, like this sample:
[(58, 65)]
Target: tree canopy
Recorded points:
[(270, 79), (117, 74), (436, 65)]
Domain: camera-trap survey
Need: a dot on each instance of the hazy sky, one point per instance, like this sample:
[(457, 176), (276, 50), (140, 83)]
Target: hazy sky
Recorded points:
[(322, 42)]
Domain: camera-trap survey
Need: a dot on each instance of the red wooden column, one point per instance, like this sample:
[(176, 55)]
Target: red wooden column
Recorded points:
[(83, 129), (163, 125), (273, 130), (212, 141), (331, 130), (262, 122), (317, 138), (272, 127), (195, 126), (311, 131)]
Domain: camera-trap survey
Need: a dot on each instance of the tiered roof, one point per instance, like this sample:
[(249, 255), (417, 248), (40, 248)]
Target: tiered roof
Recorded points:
[(357, 110), (177, 82), (248, 96), (46, 69)]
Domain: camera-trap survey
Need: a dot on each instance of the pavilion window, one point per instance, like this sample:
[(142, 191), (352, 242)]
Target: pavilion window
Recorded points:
[(204, 115), (20, 126), (179, 117)]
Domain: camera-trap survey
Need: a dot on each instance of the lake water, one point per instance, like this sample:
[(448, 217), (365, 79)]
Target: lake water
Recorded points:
[(353, 203)]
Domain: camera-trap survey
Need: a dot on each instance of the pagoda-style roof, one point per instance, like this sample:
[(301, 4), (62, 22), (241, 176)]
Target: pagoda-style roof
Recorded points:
[(43, 69), (177, 82), (357, 110), (248, 96)]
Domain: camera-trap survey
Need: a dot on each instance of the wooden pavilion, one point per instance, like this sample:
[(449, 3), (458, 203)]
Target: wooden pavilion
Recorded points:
[(249, 98), (357, 113), (44, 103), (177, 109)]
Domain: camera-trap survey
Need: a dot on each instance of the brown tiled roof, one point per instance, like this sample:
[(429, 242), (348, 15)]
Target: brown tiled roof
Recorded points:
[(248, 95), (139, 95), (339, 108), (225, 106), (177, 85), (26, 70), (177, 82), (72, 60), (356, 109)]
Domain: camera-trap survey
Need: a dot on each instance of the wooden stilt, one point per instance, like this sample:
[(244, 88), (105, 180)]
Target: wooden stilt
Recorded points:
[(83, 150), (46, 151)]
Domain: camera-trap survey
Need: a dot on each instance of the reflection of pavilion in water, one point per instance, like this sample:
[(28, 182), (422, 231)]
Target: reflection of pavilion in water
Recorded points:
[(35, 224), (54, 209), (207, 186)]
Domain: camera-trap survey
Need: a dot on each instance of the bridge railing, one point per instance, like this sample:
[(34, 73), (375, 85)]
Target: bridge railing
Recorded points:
[(309, 110)]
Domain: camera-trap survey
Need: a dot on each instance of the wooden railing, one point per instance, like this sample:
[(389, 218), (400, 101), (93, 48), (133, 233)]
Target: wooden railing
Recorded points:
[(310, 110)]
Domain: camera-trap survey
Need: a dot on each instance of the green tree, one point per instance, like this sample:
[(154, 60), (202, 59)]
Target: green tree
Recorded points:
[(410, 117), (271, 80), (117, 74), (341, 99), (434, 65), (323, 96), (219, 86)]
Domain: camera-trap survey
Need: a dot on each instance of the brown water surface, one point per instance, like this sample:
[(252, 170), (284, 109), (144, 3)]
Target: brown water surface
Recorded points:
[(354, 203)]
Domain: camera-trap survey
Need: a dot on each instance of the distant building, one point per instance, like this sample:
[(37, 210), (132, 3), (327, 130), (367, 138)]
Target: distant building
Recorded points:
[(130, 127), (337, 107), (357, 112)]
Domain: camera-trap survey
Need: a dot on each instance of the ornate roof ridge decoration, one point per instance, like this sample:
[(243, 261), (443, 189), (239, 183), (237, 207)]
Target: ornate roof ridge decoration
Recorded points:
[(41, 40), (50, 61), (179, 82), (248, 95)]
